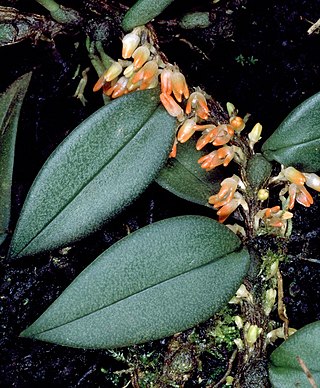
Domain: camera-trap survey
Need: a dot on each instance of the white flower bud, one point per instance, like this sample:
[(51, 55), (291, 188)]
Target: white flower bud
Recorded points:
[(313, 181), (129, 43), (238, 321), (254, 135), (263, 194)]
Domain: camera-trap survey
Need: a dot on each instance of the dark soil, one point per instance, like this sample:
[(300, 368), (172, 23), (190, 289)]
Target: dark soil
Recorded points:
[(256, 55)]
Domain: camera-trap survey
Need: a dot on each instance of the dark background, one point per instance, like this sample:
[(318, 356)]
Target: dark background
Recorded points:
[(285, 72)]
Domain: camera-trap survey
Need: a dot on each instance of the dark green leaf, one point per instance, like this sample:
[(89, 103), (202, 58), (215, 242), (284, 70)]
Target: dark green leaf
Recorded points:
[(285, 370), (193, 20), (258, 171), (142, 12), (184, 177), (161, 279), (100, 168), (296, 142), (10, 106)]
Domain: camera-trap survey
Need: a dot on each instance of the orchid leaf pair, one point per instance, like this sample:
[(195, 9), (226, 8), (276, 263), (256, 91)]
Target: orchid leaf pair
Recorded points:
[(163, 278)]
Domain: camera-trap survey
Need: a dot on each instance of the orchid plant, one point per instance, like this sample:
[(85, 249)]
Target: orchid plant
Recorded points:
[(178, 272)]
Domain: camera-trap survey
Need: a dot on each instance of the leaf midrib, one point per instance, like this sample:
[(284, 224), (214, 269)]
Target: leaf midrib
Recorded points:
[(193, 174), (239, 249), (86, 184)]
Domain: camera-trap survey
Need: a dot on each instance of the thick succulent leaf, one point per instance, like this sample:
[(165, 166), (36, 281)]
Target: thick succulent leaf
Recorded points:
[(142, 12), (285, 370), (100, 168), (159, 280), (296, 142), (10, 105), (258, 171), (184, 177)]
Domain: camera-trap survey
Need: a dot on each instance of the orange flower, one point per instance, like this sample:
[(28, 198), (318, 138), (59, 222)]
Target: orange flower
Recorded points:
[(237, 123), (171, 106), (140, 56), (219, 135), (119, 88), (273, 216), (227, 209), (231, 206), (148, 71), (186, 130), (300, 194), (223, 155), (294, 176), (207, 136), (179, 86), (173, 152), (197, 101), (226, 193), (166, 81)]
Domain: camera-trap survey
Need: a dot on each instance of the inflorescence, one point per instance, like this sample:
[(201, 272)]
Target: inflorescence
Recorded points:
[(142, 67)]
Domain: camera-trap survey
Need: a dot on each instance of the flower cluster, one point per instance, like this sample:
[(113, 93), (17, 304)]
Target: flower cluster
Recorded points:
[(294, 181), (142, 67), (228, 199), (137, 70)]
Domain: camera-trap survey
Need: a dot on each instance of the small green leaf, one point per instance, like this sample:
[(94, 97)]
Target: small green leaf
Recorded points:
[(184, 177), (296, 142), (258, 171), (142, 12), (159, 280), (100, 168), (285, 370), (193, 20), (10, 105)]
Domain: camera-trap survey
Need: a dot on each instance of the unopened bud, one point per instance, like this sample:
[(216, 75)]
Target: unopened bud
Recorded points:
[(238, 321), (129, 43), (252, 334), (114, 70), (231, 109), (313, 181), (254, 135), (270, 300), (239, 343), (263, 194)]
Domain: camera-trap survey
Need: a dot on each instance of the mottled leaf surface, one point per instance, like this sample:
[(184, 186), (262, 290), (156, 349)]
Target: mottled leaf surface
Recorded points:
[(100, 168), (159, 280), (285, 370), (296, 142), (10, 106)]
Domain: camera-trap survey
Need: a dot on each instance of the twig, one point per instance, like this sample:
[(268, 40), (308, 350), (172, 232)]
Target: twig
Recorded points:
[(281, 307), (315, 26), (230, 363), (307, 372)]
